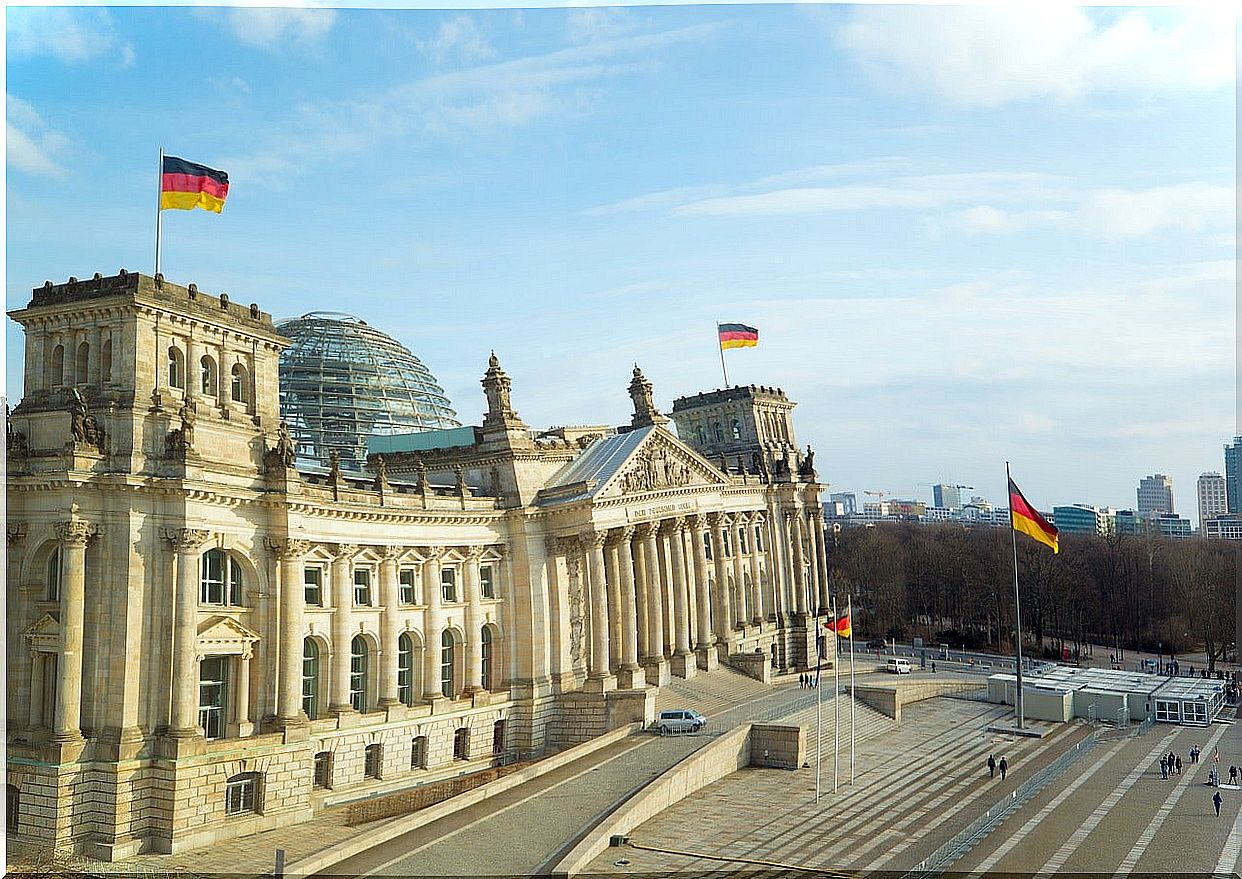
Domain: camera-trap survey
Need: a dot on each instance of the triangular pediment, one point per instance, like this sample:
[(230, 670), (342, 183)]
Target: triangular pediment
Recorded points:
[(44, 633), (660, 462), (224, 632)]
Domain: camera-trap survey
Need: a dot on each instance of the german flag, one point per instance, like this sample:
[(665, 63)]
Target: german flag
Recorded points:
[(1028, 521), (737, 336), (841, 625), (185, 186)]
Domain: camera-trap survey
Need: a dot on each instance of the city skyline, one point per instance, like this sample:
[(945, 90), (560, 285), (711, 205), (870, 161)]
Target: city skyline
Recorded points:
[(935, 253)]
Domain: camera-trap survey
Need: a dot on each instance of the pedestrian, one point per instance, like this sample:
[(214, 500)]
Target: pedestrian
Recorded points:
[(1216, 802), (991, 766), (1179, 765), (802, 681), (933, 666), (1004, 767), (1164, 766), (1233, 775)]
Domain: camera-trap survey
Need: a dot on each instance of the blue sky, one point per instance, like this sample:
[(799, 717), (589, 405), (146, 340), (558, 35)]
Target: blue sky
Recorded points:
[(966, 234)]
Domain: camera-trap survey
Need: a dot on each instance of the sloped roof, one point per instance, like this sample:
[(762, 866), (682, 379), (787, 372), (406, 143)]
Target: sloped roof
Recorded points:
[(598, 463)]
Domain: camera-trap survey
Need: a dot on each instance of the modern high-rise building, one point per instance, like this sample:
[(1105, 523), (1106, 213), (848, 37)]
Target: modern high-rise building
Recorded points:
[(1084, 519), (947, 496), (1155, 494), (1213, 499), (1233, 475), (848, 501)]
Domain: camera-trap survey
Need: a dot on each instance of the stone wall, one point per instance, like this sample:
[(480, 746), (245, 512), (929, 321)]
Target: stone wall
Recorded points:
[(774, 746)]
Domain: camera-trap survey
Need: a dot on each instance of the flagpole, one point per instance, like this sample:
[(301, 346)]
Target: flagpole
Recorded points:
[(836, 694), (819, 717), (849, 613), (723, 368), (1017, 599), (159, 213)]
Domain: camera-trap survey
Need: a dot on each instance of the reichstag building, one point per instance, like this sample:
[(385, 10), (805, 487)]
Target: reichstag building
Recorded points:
[(256, 570)]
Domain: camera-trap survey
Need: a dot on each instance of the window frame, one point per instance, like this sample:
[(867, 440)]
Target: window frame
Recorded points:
[(373, 761), (231, 583), (176, 368), (407, 587), (405, 669), (418, 752), (307, 586), (359, 673), (310, 700), (54, 574), (486, 658), (214, 718), (238, 386), (448, 585), (209, 376), (487, 581), (363, 596), (461, 743), (243, 788), (321, 767), (448, 662)]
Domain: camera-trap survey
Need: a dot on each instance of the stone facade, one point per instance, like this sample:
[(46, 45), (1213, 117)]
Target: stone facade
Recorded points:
[(204, 641)]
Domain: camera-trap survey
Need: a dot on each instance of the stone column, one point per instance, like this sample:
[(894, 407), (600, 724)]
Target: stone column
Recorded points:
[(779, 606), (706, 656), (638, 575), (292, 598), (756, 582), (342, 626), (631, 676), (433, 623), (821, 554), (390, 632), (474, 623), (614, 602), (818, 598), (649, 582), (599, 678), (188, 544), (673, 532), (794, 522), (739, 572), (723, 614), (241, 697)]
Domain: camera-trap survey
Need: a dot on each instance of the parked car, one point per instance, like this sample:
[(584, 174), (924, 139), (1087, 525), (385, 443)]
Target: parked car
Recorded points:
[(681, 720), (877, 644)]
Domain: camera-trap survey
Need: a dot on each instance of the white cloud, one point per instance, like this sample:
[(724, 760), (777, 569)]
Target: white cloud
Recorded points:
[(989, 56), (271, 28), (72, 35), (457, 38), (1107, 214), (598, 24), (30, 145)]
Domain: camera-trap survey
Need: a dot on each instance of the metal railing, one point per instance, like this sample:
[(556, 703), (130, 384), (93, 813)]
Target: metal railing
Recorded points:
[(965, 840)]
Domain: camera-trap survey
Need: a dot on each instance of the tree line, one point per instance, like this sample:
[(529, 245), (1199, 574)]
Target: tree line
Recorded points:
[(951, 584)]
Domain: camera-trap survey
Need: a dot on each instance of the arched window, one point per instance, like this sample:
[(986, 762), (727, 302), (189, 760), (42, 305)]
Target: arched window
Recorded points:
[(737, 429), (719, 432), (241, 794), (107, 362), (238, 389), (323, 769), (702, 435), (52, 593), (220, 570), (56, 367), (373, 760), (176, 367), (358, 661), (447, 684), (461, 743), (81, 363), (310, 678), (12, 808), (208, 371), (405, 669), (486, 650)]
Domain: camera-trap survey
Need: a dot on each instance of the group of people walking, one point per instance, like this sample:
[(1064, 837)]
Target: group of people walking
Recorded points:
[(993, 765), (1171, 764), (807, 681)]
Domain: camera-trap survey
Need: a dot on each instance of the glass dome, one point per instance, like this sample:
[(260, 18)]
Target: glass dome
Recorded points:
[(342, 380)]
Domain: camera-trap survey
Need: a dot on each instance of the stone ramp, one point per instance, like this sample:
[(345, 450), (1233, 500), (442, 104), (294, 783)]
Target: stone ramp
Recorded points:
[(711, 692), (915, 784)]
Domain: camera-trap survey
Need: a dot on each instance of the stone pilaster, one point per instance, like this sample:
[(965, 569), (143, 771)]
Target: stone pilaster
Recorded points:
[(723, 606), (647, 569), (739, 573), (292, 599), (342, 575), (599, 678), (433, 624), (188, 544), (793, 526), (757, 614), (673, 531), (390, 597), (74, 535), (704, 650), (631, 676), (474, 622)]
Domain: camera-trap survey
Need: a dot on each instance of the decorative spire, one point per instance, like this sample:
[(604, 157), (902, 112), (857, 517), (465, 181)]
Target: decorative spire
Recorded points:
[(496, 385)]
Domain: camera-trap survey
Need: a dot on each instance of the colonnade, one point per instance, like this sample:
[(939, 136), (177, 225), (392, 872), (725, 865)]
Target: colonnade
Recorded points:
[(658, 593)]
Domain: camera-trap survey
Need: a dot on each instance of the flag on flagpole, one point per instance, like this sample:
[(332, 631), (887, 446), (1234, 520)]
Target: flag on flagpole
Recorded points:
[(737, 336), (841, 626), (1027, 520), (185, 186)]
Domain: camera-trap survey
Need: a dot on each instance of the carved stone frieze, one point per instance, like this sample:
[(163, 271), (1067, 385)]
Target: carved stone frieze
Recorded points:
[(16, 531), (656, 467)]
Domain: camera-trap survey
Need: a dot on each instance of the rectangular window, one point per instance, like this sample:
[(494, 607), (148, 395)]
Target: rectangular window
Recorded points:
[(212, 591), (314, 587), (461, 743), (741, 540), (487, 585), (51, 681), (498, 737), (448, 583), (406, 579), (323, 769), (362, 587), (371, 766), (240, 795), (758, 538), (212, 683), (418, 753)]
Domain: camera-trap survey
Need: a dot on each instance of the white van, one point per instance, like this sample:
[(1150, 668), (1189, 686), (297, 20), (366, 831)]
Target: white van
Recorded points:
[(897, 666)]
